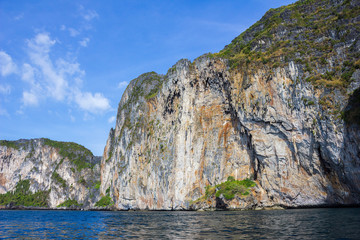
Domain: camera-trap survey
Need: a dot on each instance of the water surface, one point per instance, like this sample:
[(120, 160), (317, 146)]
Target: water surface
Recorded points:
[(328, 223)]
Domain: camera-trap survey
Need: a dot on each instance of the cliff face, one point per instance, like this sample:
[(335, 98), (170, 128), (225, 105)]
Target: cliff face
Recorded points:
[(279, 105), (61, 171)]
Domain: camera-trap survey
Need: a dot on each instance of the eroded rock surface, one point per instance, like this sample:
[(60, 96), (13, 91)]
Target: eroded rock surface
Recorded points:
[(267, 107)]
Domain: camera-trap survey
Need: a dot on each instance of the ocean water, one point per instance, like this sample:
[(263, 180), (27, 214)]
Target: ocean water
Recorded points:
[(330, 223)]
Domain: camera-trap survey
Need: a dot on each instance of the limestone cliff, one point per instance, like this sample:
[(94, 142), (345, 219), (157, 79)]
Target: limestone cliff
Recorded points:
[(279, 105), (59, 171)]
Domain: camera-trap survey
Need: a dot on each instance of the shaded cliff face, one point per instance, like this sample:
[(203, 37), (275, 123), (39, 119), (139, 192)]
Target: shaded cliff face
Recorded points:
[(61, 170), (263, 108)]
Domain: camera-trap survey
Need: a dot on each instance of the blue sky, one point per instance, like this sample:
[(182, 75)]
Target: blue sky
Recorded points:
[(65, 64)]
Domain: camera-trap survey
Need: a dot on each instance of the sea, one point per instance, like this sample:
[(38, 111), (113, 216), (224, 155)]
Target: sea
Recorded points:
[(322, 223)]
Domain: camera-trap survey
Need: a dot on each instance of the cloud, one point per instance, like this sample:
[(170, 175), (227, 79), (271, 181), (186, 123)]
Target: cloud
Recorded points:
[(59, 79), (41, 43), (27, 74), (62, 27), (30, 98), (111, 119), (123, 84), (84, 42), (38, 50), (96, 103), (5, 89), (89, 15), (7, 66), (73, 32), (69, 68)]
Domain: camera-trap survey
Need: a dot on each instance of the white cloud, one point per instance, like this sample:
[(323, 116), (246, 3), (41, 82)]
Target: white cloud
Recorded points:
[(84, 42), (73, 32), (111, 119), (28, 73), (38, 50), (62, 27), (5, 89), (40, 44), (69, 68), (59, 79), (88, 15), (30, 98), (96, 103), (7, 66), (123, 84)]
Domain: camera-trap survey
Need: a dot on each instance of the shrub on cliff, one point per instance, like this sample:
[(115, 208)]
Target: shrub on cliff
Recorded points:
[(22, 196), (233, 187), (228, 189), (104, 202)]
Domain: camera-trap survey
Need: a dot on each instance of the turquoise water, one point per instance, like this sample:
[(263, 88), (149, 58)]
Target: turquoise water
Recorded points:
[(324, 223)]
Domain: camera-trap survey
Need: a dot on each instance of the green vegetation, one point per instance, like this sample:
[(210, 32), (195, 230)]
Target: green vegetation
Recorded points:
[(172, 70), (70, 203), (104, 202), (311, 47), (150, 80), (145, 86), (110, 153), (76, 153), (59, 179), (97, 185), (82, 181), (152, 93), (348, 70), (155, 80), (112, 144), (308, 102), (22, 196), (9, 144), (228, 189), (30, 154), (233, 187)]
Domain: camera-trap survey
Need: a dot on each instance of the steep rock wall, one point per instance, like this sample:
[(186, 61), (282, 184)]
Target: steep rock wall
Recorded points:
[(282, 125)]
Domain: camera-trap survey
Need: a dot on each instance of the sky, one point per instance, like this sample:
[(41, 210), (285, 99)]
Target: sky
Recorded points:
[(64, 64)]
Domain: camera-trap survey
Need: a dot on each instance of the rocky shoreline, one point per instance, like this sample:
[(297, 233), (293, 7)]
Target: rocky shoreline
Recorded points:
[(268, 208), (57, 208)]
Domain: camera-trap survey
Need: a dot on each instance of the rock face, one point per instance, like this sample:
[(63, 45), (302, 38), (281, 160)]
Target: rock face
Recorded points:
[(278, 105), (68, 170)]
